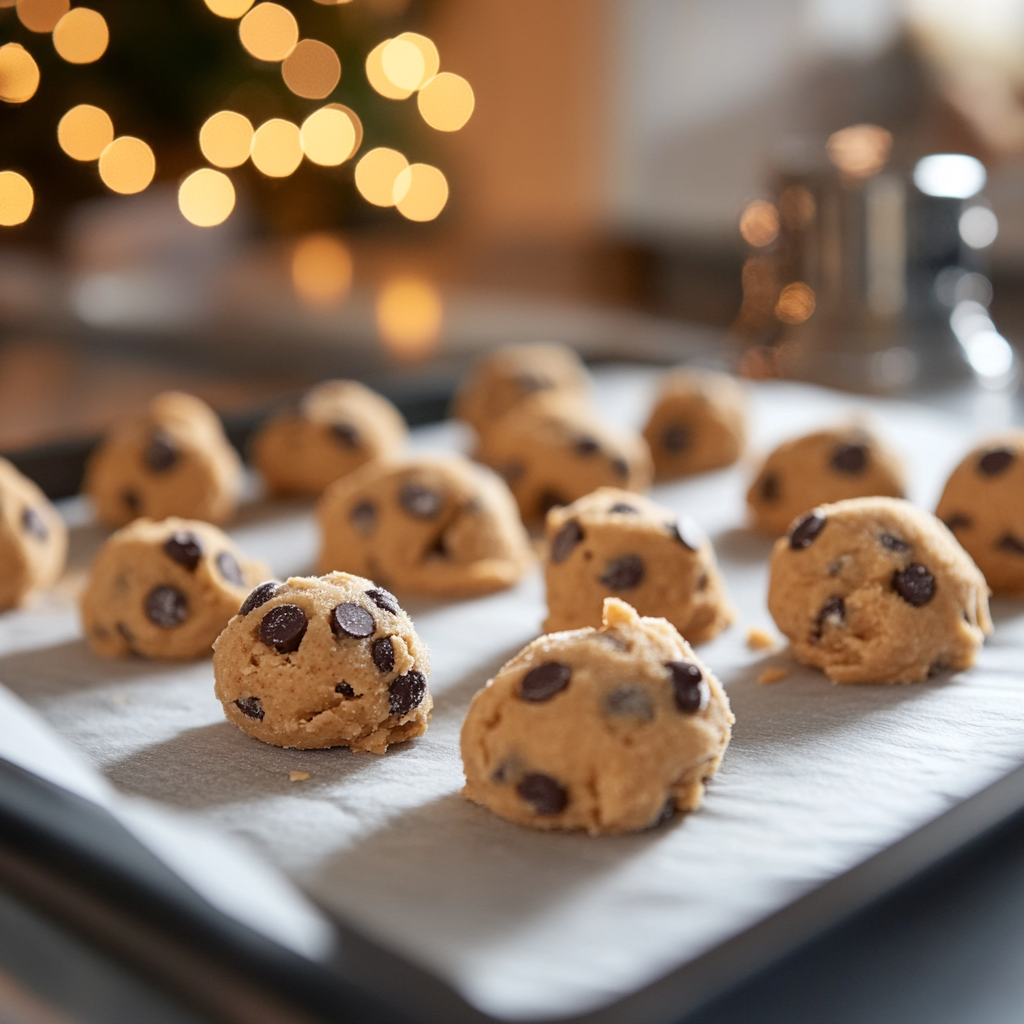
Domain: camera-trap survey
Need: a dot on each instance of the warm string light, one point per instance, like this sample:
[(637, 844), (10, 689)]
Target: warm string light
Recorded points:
[(329, 136), (321, 268), (127, 165), (229, 8), (420, 192), (16, 199), (206, 197), (796, 303), (860, 151), (226, 139), (376, 173), (84, 132), (19, 74), (311, 70), (446, 102), (759, 224), (41, 15), (81, 36), (277, 148), (269, 32), (409, 317)]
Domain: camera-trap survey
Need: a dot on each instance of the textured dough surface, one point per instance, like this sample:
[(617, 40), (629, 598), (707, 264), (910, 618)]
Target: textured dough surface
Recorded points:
[(173, 460), (829, 465), (200, 577), (333, 689), (613, 543), (850, 589), (621, 744), (33, 538), (340, 426)]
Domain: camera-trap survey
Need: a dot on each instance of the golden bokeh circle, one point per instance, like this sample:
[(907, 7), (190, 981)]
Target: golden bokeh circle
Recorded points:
[(85, 131), (229, 8), (277, 148), (376, 173), (431, 58), (796, 303), (16, 199), (311, 70), (42, 15), (378, 79), (420, 192), (206, 197), (759, 223), (19, 74), (409, 316), (226, 139), (446, 102), (127, 165), (81, 36), (859, 151), (357, 125), (328, 136), (403, 63), (321, 270), (269, 32)]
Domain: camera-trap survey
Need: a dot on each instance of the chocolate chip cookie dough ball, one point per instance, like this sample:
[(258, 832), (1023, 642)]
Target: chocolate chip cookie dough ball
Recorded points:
[(33, 538), (165, 589), (829, 465), (614, 543), (874, 590), (983, 504), (551, 450), (699, 422), (608, 730), (324, 662), (340, 426), (440, 527), (173, 460)]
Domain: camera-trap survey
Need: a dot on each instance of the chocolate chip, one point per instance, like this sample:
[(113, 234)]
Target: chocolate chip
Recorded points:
[(675, 438), (548, 500), (250, 707), (996, 461), (230, 569), (125, 631), (544, 681), (407, 692), (131, 501), (668, 809), (623, 573), (620, 467), (769, 486), (283, 628), (161, 453), (629, 702), (384, 600), (419, 501), (259, 596), (512, 471), (345, 690), (891, 543), (346, 434), (33, 524), (687, 532), (352, 620), (166, 607), (702, 581), (542, 793), (384, 655), (915, 584), (532, 382), (850, 458), (570, 533), (586, 446), (958, 521), (1008, 542), (833, 611), (364, 517), (185, 548), (689, 687), (806, 529), (623, 507)]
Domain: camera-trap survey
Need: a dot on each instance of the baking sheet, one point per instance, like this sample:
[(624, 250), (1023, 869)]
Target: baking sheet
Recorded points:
[(525, 925)]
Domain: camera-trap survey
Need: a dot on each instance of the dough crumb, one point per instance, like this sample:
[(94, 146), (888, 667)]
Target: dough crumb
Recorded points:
[(771, 675), (759, 639), (298, 776)]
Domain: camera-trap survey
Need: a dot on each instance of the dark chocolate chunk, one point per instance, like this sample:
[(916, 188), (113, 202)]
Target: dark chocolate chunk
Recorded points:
[(548, 500), (161, 453), (132, 502), (996, 461), (419, 501), (915, 584), (346, 434), (407, 692), (283, 628), (166, 607), (623, 507), (530, 383), (958, 521), (345, 690), (891, 543), (542, 793), (769, 486), (352, 620), (260, 595), (544, 681), (850, 458), (185, 548), (668, 809), (384, 655), (512, 471), (620, 467), (689, 686), (629, 701), (702, 581), (687, 532), (623, 573), (1008, 542), (675, 438), (364, 517), (570, 533), (33, 524), (384, 600), (806, 529), (586, 446), (230, 569), (250, 707), (833, 611)]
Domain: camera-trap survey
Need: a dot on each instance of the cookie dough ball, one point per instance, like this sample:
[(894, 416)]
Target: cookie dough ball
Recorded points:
[(324, 662), (608, 730), (699, 422), (33, 538), (504, 379), (441, 527), (613, 542), (165, 589), (551, 450), (173, 460), (874, 590), (340, 426), (983, 504), (829, 465)]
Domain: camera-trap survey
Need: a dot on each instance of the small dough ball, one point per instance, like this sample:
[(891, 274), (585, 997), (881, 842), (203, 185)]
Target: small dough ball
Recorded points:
[(551, 450), (324, 662), (608, 730), (440, 526), (829, 465), (165, 589), (340, 426), (874, 590), (983, 504), (33, 538), (502, 380), (699, 422), (173, 460), (613, 542)]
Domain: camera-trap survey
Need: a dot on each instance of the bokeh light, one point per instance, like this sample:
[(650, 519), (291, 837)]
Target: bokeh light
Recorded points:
[(420, 192), (376, 173), (446, 102), (950, 175), (19, 74), (759, 224), (403, 63), (42, 15), (859, 151), (979, 227), (431, 58), (277, 148), (409, 317), (796, 303), (85, 131), (226, 139), (378, 79), (206, 197), (16, 199), (328, 136), (127, 165), (321, 270), (311, 70), (81, 36), (229, 8), (269, 32)]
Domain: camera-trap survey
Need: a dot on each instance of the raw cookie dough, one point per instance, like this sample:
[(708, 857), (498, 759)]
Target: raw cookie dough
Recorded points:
[(324, 662), (165, 589), (608, 730), (552, 450), (437, 526), (173, 460), (616, 543), (699, 422), (505, 378), (33, 538), (340, 425), (983, 504), (874, 590), (829, 465)]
